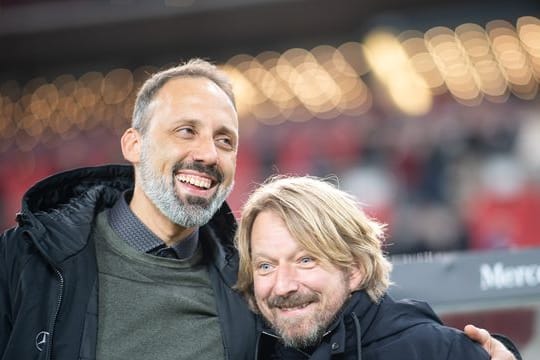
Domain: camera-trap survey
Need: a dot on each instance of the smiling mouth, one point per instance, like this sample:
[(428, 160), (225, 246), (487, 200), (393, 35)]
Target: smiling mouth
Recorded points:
[(198, 181), (293, 308), (292, 302)]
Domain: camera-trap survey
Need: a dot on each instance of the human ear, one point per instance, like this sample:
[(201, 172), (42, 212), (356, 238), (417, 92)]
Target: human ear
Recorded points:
[(356, 277), (131, 145)]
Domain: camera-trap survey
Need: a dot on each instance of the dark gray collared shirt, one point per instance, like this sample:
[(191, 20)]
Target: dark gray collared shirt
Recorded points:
[(130, 229)]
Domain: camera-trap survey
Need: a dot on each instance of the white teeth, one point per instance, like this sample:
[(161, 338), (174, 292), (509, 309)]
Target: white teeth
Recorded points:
[(195, 180)]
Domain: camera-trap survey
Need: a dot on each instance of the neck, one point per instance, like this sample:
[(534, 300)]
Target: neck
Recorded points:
[(155, 220)]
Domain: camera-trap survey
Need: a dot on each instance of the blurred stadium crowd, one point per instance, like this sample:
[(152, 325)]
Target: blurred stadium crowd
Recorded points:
[(436, 130), (456, 178)]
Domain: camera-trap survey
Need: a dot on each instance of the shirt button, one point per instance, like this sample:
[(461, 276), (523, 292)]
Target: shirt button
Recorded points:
[(335, 346), (167, 253)]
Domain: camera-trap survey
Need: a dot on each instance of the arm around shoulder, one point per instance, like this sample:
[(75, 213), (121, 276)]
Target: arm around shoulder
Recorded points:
[(498, 346), (508, 345), (465, 348)]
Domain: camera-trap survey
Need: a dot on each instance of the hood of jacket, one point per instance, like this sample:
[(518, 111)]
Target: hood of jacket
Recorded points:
[(382, 320), (59, 211)]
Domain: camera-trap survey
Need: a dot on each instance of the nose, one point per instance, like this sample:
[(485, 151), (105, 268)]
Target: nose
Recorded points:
[(286, 281), (205, 151)]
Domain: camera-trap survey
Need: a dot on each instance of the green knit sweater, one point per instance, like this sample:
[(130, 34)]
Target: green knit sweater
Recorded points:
[(152, 307)]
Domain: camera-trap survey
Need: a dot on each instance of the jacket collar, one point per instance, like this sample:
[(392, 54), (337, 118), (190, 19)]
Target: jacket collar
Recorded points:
[(58, 212), (217, 238)]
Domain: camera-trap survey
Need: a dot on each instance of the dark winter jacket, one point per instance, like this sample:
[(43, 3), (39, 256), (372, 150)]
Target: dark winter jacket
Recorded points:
[(48, 271), (404, 330)]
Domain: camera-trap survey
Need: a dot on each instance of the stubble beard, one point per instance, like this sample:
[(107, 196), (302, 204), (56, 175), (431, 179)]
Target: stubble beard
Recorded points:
[(306, 331)]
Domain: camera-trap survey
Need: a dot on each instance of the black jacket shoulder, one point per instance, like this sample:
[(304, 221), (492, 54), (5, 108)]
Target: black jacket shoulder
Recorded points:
[(48, 271)]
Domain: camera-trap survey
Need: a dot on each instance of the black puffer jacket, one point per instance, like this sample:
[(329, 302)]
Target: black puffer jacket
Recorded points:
[(404, 330), (48, 273)]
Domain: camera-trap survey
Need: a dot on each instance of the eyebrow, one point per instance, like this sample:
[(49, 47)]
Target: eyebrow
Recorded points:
[(257, 256), (198, 122)]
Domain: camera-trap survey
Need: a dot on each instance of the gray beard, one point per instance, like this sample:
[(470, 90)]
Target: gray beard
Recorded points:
[(195, 211)]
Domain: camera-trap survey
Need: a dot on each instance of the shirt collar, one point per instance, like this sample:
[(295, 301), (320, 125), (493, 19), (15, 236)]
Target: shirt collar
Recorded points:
[(132, 230)]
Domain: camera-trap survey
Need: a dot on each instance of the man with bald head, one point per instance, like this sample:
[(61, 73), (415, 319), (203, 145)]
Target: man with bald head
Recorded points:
[(135, 262)]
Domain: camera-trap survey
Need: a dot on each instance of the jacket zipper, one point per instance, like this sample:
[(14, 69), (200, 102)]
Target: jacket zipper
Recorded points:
[(61, 288), (264, 332), (358, 336), (55, 316)]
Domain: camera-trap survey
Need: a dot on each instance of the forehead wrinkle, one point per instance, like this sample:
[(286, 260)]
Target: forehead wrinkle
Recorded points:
[(191, 119), (297, 251)]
